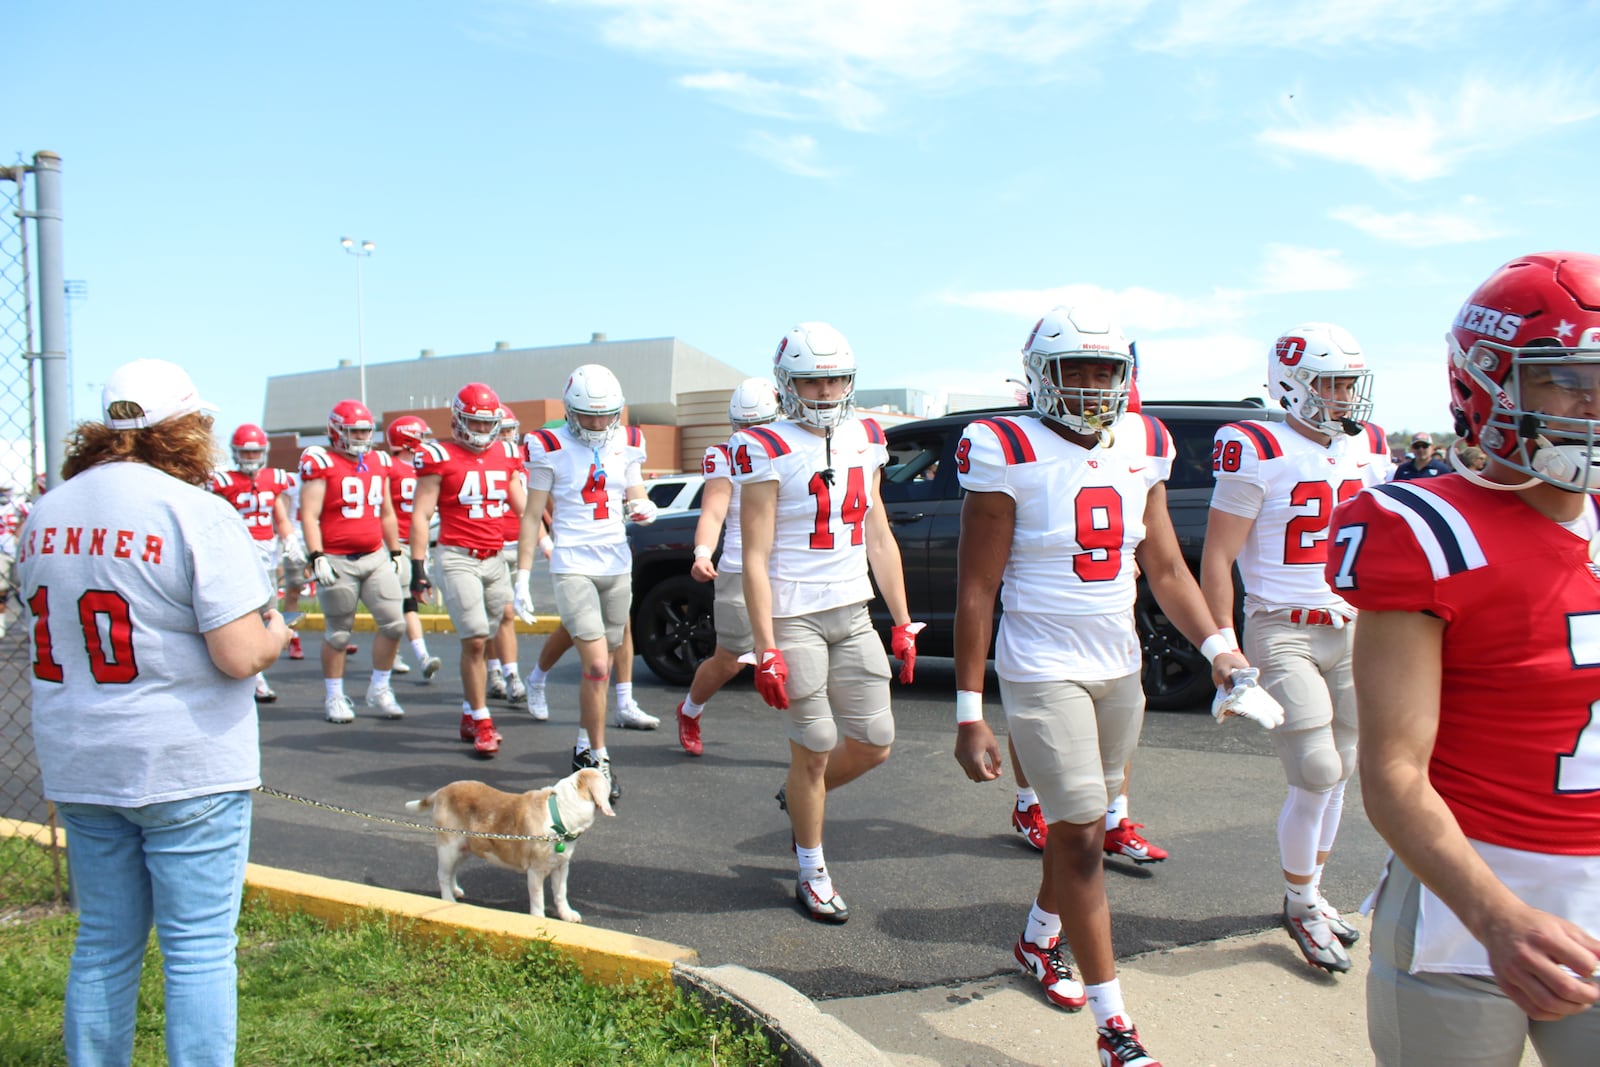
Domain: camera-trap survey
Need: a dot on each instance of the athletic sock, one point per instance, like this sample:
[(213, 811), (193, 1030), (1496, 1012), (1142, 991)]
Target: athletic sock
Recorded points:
[(509, 669), (380, 679), (419, 649), (1043, 926), (1105, 1000), (583, 740), (333, 687), (537, 676), (494, 666), (814, 870), (1026, 798), (601, 753), (1117, 811), (479, 713), (1302, 899), (691, 710), (624, 694)]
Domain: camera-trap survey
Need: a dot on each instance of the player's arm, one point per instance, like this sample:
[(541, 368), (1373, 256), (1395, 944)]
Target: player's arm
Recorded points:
[(388, 523), (883, 556), (281, 523), (988, 521), (531, 530), (758, 515), (311, 495), (424, 499), (715, 497), (517, 494), (1225, 537), (1398, 664), (1162, 563)]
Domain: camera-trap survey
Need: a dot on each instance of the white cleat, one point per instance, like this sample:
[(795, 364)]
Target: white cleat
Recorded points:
[(400, 666), (536, 705), (430, 667), (632, 717), (338, 709), (382, 698)]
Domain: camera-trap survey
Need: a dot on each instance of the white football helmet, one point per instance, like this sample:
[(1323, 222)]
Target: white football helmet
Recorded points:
[(815, 350), (593, 390), (1077, 334), (1299, 361), (753, 403)]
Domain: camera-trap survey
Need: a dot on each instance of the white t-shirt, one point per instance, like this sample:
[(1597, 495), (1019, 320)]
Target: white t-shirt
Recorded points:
[(819, 540), (1069, 581), (1289, 485), (586, 487), (128, 708)]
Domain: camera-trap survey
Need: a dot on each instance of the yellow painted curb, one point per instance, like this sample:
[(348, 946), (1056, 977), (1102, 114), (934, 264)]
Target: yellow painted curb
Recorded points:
[(433, 624), (602, 956)]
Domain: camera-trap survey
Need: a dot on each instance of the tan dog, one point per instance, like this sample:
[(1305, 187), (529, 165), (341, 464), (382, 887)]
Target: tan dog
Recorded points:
[(559, 814)]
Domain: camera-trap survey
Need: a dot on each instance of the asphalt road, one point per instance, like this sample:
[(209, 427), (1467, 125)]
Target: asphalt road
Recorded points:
[(938, 884)]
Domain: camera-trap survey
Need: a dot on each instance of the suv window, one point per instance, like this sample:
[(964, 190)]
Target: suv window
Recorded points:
[(663, 494), (913, 469)]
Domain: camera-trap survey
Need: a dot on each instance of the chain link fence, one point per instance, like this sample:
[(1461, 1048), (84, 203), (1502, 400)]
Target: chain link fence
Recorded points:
[(27, 871)]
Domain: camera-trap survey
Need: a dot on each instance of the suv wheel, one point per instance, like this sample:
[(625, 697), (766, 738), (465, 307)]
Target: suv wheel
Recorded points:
[(673, 628), (1176, 676)]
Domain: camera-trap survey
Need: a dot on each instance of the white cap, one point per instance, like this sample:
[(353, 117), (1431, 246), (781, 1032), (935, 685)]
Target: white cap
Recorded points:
[(148, 391)]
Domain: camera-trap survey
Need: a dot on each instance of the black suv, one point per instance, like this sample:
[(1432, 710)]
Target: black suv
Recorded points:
[(672, 612)]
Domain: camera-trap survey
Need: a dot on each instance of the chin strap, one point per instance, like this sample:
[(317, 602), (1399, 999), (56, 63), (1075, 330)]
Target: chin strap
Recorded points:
[(827, 449), (1461, 468)]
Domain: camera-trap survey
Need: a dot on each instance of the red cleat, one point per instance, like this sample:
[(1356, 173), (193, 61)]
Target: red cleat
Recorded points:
[(295, 651), (1061, 987), (689, 733), (469, 732), (1125, 841), (1030, 824), (486, 739)]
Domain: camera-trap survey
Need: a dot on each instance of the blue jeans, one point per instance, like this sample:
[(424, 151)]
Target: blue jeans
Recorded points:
[(179, 864)]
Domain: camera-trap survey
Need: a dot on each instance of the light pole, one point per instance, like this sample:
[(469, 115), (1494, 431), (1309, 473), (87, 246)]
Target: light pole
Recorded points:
[(360, 251)]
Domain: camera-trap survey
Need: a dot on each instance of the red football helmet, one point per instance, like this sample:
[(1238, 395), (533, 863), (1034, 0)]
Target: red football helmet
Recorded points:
[(249, 447), (350, 427), (475, 416), (1525, 368), (510, 427), (407, 433)]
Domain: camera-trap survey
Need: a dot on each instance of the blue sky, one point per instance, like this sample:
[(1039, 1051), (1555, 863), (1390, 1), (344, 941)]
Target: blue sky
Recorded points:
[(928, 176)]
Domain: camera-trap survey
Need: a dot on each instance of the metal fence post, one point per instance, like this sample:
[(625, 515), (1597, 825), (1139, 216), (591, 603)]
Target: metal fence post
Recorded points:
[(52, 313)]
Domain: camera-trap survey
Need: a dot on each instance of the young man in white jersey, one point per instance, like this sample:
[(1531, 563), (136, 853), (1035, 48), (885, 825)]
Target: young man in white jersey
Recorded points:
[(1062, 505), (1476, 678), (473, 482), (592, 469), (353, 544), (1277, 486), (754, 403), (258, 493), (812, 522), (405, 436)]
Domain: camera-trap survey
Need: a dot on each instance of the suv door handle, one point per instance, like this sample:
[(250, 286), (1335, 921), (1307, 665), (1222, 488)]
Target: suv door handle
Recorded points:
[(905, 516)]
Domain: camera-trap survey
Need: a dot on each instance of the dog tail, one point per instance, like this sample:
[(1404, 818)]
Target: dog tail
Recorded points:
[(420, 805)]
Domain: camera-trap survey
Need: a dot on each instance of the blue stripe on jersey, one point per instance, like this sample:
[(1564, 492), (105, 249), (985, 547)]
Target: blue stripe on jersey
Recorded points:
[(1377, 440), (550, 441), (1014, 444), (635, 436), (874, 431), (1267, 446), (1418, 504), (1157, 440), (774, 445)]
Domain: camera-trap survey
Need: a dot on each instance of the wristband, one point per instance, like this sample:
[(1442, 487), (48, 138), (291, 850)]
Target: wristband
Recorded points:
[(1231, 637), (702, 551), (1214, 646), (969, 706), (545, 544)]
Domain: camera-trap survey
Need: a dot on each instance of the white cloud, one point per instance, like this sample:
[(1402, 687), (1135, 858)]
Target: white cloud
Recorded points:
[(1224, 366), (1291, 269), (1422, 230), (1427, 137), (1137, 309), (1318, 24), (797, 154), (841, 101)]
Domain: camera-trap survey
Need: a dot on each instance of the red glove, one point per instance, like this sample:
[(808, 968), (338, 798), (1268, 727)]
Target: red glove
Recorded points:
[(772, 677), (904, 643)]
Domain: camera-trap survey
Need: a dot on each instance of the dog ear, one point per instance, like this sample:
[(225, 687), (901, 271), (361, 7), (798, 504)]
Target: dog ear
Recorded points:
[(600, 791)]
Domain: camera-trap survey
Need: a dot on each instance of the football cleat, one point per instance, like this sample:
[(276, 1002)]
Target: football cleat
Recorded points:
[(265, 693), (400, 666), (486, 739), (583, 757), (1125, 841), (516, 692), (351, 650), (632, 717), (1119, 1045), (782, 797), (469, 732), (689, 732), (382, 698), (295, 649), (536, 704), (497, 686), (611, 779), (1316, 941), (338, 709), (430, 667), (1030, 824), (832, 910), (1046, 964), (1347, 934)]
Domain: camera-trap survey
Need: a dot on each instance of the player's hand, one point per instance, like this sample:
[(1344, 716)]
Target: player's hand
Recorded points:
[(977, 751), (397, 562), (1224, 665), (322, 569), (546, 545), (521, 598), (641, 511), (1245, 699), (703, 569), (772, 679), (903, 641), (293, 546), (419, 580), (1543, 962)]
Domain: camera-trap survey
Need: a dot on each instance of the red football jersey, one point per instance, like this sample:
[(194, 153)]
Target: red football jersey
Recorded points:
[(474, 497), (253, 495), (511, 521), (353, 501), (402, 494), (1517, 757)]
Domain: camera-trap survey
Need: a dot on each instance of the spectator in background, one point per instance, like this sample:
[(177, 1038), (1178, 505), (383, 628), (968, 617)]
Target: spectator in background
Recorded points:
[(1474, 458), (1423, 463), (146, 644)]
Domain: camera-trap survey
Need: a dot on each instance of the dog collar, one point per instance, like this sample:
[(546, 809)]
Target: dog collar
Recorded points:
[(555, 824)]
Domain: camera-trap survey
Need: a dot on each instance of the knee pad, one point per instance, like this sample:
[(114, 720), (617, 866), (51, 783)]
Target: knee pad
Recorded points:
[(875, 729), (818, 735), (339, 639), (1309, 759), (395, 630)]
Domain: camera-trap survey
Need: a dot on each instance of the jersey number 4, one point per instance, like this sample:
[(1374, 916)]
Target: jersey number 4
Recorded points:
[(107, 637)]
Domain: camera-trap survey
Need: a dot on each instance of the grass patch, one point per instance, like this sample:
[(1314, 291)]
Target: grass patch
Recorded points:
[(360, 994), (29, 876)]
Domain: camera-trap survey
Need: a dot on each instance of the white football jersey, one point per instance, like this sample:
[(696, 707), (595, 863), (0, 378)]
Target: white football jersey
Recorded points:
[(819, 542), (1290, 484), (718, 466), (1069, 581), (586, 489)]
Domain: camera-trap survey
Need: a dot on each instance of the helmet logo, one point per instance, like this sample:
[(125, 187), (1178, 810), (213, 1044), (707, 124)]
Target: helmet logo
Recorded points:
[(1290, 350), (778, 356), (1488, 322), (1033, 335)]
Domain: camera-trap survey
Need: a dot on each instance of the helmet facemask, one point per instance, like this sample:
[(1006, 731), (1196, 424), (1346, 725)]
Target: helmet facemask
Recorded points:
[(475, 430), (1561, 449), (595, 439), (821, 414), (1314, 399), (249, 458), (1084, 409)]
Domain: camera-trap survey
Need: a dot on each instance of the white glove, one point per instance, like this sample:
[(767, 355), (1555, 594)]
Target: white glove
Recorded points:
[(294, 546), (641, 511), (521, 598), (1246, 699), (322, 570)]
